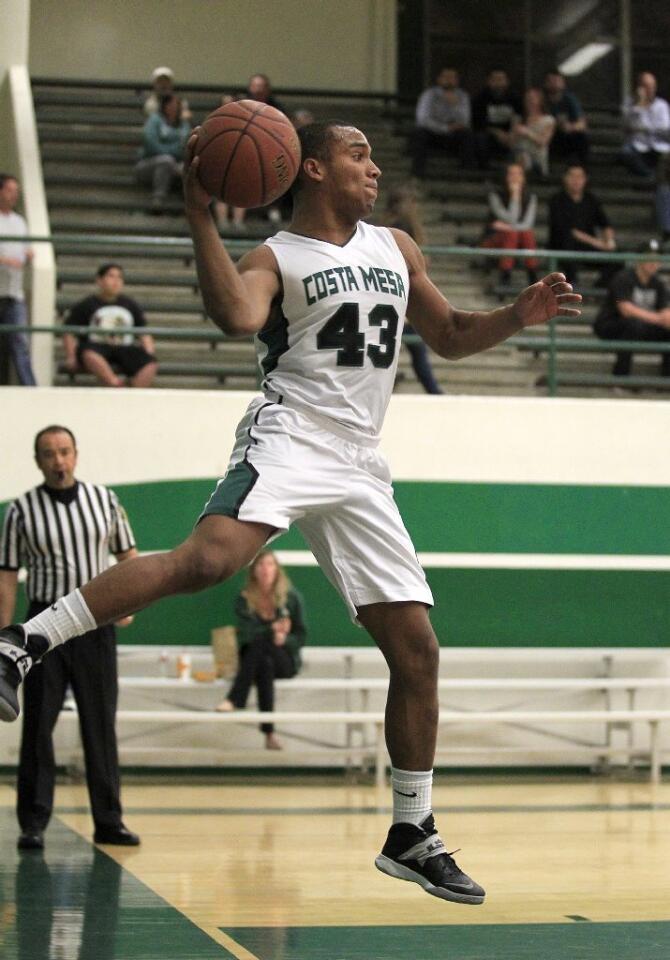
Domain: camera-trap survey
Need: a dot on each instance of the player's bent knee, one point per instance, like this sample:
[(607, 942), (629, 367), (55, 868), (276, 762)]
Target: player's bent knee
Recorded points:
[(195, 570), (209, 567)]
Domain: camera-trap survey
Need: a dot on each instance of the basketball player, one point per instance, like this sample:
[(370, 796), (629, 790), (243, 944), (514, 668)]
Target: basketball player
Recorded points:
[(326, 300)]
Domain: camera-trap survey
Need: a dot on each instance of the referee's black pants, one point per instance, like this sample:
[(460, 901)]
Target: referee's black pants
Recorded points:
[(88, 664)]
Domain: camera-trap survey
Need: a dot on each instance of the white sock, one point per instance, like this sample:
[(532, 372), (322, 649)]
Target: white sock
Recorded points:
[(412, 795), (66, 618)]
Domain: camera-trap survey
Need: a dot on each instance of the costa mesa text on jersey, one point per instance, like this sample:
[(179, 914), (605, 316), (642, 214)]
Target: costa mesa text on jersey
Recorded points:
[(327, 283)]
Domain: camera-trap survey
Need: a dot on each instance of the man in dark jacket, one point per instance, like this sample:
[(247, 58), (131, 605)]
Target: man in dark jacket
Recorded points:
[(494, 110), (577, 221)]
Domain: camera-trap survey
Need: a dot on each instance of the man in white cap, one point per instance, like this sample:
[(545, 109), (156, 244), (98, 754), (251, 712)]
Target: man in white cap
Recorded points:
[(162, 83)]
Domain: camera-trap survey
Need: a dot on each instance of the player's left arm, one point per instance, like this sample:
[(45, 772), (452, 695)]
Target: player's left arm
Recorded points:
[(454, 333)]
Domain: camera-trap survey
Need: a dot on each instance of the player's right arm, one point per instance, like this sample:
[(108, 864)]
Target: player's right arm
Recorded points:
[(238, 299)]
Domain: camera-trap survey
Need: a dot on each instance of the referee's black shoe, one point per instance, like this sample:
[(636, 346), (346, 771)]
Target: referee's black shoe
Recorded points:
[(31, 840), (119, 835), (17, 655), (417, 853)]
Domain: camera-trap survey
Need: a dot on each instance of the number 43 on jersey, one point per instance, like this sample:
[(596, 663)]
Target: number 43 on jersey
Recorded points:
[(342, 333)]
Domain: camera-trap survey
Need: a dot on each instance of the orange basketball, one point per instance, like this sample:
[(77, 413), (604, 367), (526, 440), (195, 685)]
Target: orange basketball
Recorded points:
[(249, 153)]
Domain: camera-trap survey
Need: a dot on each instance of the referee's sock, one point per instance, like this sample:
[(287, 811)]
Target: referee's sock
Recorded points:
[(66, 618)]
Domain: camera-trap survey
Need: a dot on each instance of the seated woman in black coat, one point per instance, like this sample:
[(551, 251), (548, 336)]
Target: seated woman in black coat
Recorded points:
[(270, 632)]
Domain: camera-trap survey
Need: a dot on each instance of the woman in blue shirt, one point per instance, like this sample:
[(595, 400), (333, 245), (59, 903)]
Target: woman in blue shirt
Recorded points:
[(164, 137)]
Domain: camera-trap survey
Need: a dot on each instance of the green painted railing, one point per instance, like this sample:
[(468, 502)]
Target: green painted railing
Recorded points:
[(552, 343), (236, 244)]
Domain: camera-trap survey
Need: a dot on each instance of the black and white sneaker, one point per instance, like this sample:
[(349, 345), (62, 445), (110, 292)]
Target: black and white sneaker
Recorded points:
[(17, 655), (418, 854)]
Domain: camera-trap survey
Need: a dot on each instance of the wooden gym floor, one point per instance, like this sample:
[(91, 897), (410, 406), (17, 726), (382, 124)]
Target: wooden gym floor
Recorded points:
[(575, 869)]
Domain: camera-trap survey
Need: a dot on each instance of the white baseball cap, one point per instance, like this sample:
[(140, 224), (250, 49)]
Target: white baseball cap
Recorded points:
[(162, 72)]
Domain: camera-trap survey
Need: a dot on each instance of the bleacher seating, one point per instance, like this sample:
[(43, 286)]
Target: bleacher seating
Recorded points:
[(89, 138), (332, 714)]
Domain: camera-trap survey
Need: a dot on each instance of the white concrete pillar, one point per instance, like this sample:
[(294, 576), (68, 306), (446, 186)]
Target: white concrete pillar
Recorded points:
[(13, 50), (19, 154)]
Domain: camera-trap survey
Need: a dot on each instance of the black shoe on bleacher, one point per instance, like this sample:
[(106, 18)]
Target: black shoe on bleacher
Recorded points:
[(17, 655), (418, 854)]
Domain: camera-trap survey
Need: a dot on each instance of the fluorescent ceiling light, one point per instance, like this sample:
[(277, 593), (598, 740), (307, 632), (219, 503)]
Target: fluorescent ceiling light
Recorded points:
[(582, 59)]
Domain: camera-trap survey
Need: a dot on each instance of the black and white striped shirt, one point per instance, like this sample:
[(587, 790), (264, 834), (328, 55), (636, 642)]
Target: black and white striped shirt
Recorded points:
[(63, 538)]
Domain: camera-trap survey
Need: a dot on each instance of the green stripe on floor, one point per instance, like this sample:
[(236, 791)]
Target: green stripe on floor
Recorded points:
[(549, 941), (76, 903)]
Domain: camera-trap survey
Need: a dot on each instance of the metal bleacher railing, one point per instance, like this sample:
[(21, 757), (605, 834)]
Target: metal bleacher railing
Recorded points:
[(554, 342)]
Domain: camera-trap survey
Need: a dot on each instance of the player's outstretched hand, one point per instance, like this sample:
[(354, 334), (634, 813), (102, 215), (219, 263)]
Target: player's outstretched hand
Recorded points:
[(195, 195), (552, 296)]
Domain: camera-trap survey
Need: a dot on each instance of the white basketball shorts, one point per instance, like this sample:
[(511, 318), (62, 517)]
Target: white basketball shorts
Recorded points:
[(288, 467)]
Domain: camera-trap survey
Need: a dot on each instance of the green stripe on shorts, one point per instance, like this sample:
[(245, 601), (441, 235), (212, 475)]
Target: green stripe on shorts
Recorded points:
[(232, 491)]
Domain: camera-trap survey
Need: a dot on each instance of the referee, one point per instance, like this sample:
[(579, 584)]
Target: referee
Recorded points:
[(63, 532)]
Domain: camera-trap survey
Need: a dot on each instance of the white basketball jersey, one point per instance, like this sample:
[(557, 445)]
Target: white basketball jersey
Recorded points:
[(332, 345)]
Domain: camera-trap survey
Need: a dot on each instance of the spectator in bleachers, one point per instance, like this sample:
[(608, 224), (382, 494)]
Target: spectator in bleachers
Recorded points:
[(662, 197), (647, 125), (302, 118), (577, 221), (112, 338), (14, 254), (512, 214), (442, 122), (570, 139), (636, 308), (532, 133), (494, 112), (402, 213), (270, 634), (259, 88), (162, 84), (163, 140)]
